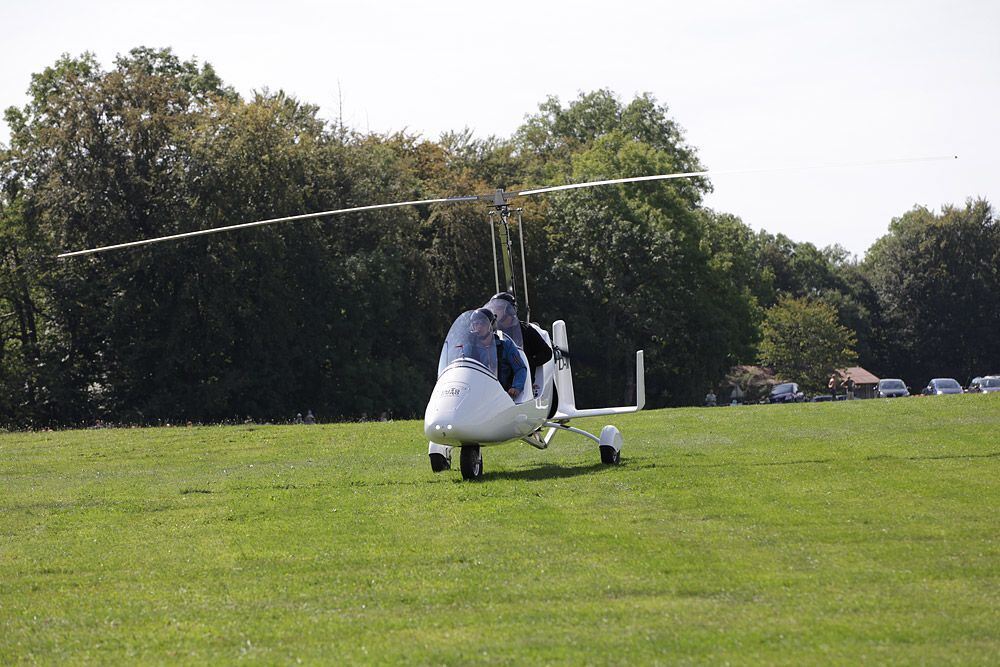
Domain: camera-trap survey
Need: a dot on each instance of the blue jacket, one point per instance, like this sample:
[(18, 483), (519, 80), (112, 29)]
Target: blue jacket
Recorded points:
[(512, 371)]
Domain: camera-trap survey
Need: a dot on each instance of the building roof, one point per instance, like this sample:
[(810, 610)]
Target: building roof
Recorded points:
[(858, 374)]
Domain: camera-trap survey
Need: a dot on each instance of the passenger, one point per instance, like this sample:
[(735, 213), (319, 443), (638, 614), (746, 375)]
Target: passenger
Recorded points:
[(524, 335), (511, 371), (482, 327)]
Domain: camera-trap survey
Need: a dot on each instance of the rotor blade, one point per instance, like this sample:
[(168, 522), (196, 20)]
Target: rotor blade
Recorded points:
[(244, 225), (498, 198), (693, 174)]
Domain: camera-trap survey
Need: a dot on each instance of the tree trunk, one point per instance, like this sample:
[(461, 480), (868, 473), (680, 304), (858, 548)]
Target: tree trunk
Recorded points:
[(24, 310)]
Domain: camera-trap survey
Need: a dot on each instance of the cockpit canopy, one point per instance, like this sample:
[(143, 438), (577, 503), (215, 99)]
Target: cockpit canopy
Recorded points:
[(470, 338), (507, 321)]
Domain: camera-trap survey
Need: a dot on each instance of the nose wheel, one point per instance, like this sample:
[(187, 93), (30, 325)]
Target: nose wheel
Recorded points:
[(440, 456), (440, 463), (471, 462)]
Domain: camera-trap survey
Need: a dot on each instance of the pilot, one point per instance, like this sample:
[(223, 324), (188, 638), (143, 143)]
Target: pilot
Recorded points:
[(511, 371), (524, 335)]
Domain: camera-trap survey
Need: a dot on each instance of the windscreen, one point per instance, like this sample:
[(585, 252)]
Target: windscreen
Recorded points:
[(782, 389), (892, 384), (470, 338), (990, 382), (947, 384)]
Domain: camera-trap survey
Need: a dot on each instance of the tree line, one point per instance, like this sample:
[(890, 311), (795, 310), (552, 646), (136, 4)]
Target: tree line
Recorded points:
[(345, 316)]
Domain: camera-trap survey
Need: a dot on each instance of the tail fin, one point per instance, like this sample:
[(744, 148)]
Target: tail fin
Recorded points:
[(564, 381)]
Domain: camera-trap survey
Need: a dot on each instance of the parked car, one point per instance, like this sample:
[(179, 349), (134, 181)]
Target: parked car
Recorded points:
[(941, 386), (973, 387), (891, 388), (986, 385), (787, 392)]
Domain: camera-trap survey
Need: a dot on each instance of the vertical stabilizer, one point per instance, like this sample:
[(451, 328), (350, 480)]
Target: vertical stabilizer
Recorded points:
[(564, 374)]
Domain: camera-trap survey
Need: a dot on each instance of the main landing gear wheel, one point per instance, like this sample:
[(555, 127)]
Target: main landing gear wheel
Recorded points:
[(472, 462), (610, 455), (611, 446)]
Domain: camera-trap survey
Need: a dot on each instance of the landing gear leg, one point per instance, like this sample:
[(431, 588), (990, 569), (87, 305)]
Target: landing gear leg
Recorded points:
[(610, 441), (440, 456), (472, 462)]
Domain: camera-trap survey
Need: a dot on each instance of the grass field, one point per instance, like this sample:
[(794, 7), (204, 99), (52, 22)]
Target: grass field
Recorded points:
[(841, 533)]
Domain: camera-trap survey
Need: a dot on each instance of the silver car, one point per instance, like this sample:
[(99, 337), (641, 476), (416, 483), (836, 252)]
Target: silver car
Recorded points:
[(941, 386), (987, 385), (891, 388)]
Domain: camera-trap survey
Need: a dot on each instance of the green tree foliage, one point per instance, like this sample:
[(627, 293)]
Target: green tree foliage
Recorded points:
[(627, 264), (938, 281), (266, 322), (345, 315), (549, 139), (735, 260), (831, 275), (769, 266), (803, 342)]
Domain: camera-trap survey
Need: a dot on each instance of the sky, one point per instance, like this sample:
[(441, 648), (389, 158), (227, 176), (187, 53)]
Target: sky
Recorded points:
[(754, 85)]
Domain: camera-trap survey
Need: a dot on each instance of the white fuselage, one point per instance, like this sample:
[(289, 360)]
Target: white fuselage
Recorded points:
[(468, 405)]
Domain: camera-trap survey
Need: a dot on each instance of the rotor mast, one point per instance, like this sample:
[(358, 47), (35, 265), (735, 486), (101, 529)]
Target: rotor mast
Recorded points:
[(500, 226), (500, 217)]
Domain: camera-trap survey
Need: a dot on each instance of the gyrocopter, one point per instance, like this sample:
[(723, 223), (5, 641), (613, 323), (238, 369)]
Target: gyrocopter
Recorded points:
[(474, 405), (470, 407)]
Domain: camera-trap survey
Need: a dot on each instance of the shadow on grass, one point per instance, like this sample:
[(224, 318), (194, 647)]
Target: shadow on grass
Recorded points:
[(552, 471)]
